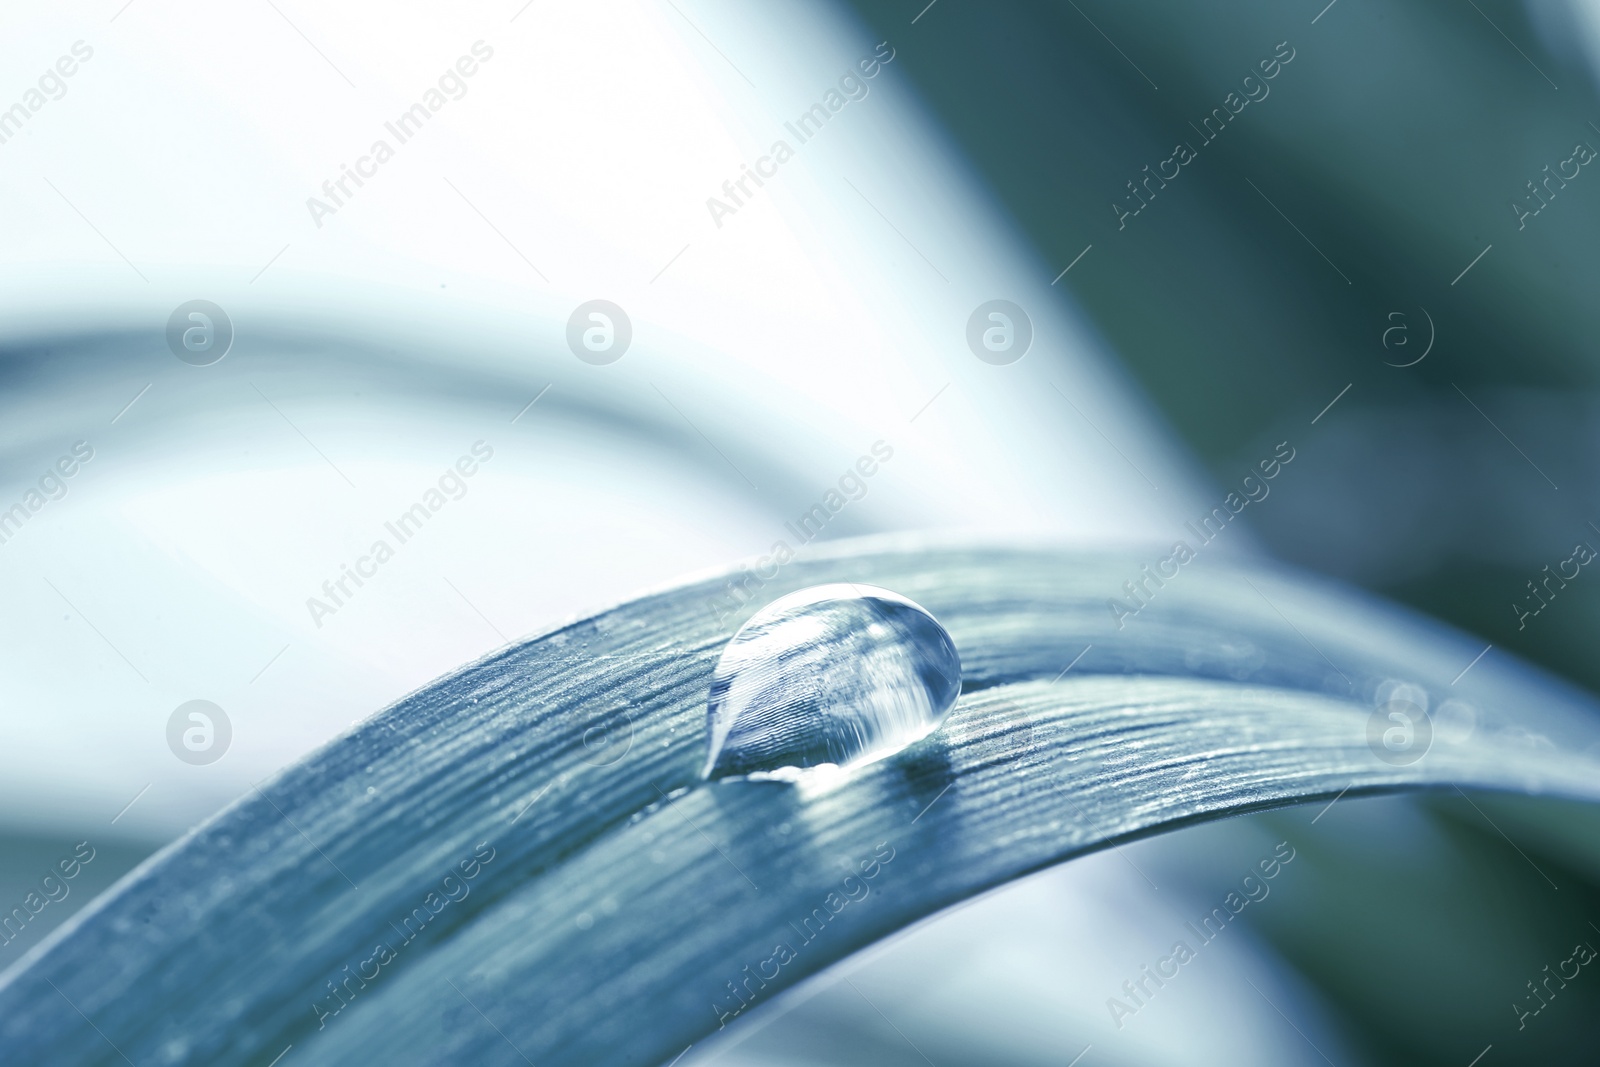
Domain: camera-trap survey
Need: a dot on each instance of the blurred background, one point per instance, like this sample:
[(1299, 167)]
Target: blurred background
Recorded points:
[(1307, 248), (1381, 252)]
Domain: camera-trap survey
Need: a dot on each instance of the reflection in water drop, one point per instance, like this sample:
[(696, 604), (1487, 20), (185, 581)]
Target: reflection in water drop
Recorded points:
[(837, 674)]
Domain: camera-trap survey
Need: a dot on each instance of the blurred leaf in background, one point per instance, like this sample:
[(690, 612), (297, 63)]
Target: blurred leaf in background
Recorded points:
[(1329, 224)]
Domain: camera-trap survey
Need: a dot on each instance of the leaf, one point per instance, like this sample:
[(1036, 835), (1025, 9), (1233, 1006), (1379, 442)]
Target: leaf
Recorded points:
[(551, 883)]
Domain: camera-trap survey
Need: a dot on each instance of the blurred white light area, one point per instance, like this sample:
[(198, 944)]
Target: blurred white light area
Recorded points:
[(828, 313)]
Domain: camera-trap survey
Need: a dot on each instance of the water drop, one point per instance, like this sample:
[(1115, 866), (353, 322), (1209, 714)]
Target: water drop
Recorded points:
[(839, 674)]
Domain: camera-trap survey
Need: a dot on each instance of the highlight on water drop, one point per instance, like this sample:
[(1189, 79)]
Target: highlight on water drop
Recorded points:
[(840, 674)]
